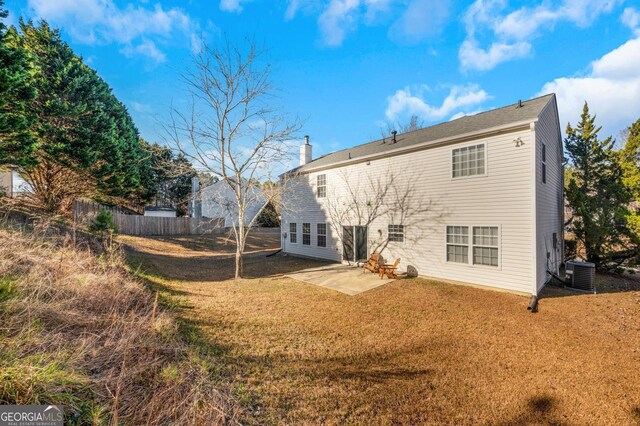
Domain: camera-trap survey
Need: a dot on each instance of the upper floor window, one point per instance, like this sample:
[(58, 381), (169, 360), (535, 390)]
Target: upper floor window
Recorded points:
[(468, 161), (321, 184), (322, 234), (396, 233), (293, 232), (306, 234), (544, 163)]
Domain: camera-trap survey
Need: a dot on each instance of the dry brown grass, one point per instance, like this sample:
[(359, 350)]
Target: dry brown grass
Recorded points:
[(413, 352), (82, 332), (259, 240)]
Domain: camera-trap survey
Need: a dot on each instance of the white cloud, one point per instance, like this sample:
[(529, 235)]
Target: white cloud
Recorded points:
[(337, 19), (631, 18), (11, 19), (147, 48), (140, 107), (411, 20), (410, 101), (611, 87), (421, 19), (306, 7), (513, 32), (232, 5), (102, 21), (472, 56), (292, 9)]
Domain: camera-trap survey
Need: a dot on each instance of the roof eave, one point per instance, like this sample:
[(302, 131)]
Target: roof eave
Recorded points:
[(520, 125)]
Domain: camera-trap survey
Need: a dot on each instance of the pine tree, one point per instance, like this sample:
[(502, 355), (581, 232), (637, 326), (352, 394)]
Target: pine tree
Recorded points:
[(630, 163), (17, 144), (596, 193)]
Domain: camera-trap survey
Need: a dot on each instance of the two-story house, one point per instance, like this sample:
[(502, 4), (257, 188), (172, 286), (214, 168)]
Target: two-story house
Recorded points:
[(474, 200)]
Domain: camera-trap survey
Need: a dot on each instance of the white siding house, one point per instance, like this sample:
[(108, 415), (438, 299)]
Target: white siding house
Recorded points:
[(153, 211), (218, 200), (475, 200)]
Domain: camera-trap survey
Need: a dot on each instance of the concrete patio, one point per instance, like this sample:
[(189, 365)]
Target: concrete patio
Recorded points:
[(343, 278)]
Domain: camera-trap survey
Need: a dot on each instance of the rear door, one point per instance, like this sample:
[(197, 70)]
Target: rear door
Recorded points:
[(347, 243), (361, 243)]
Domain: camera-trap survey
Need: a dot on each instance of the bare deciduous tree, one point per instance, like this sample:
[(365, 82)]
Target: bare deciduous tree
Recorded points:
[(415, 123), (363, 200), (232, 131)]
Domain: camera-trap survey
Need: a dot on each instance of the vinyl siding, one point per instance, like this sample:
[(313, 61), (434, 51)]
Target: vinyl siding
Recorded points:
[(549, 195), (425, 199)]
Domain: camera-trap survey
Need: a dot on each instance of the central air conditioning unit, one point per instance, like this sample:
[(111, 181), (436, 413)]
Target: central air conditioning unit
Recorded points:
[(581, 275)]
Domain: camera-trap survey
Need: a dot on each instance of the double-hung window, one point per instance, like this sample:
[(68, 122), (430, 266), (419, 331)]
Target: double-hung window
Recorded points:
[(293, 232), (321, 186), (544, 163), (306, 234), (468, 161), (458, 244), (484, 245), (322, 234), (396, 233)]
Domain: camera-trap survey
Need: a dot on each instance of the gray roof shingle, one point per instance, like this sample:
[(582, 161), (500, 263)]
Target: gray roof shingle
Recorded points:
[(529, 110)]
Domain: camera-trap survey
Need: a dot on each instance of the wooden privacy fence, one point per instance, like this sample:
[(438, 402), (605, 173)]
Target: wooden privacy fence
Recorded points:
[(84, 211), (149, 225), (132, 224)]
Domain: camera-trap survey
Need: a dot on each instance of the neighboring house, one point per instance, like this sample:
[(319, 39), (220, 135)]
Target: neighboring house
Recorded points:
[(6, 182), (475, 200), (218, 200), (160, 211)]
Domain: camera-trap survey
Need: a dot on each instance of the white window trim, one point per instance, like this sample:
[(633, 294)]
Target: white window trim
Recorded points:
[(404, 234), (303, 234), (470, 264), (297, 233), (486, 161), (543, 163), (318, 186), (326, 235), (446, 243)]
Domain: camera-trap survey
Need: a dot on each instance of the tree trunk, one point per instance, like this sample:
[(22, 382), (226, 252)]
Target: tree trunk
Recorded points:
[(240, 240), (238, 262)]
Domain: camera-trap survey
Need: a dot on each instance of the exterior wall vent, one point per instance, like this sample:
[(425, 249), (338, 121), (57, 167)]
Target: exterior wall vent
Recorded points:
[(581, 276)]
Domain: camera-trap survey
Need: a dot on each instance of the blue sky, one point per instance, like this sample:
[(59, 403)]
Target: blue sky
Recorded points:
[(349, 67)]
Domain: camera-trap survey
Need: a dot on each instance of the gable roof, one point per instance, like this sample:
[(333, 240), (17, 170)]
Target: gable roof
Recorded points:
[(511, 114)]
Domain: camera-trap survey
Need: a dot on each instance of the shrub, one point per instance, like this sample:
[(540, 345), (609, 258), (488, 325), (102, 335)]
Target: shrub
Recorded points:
[(103, 222)]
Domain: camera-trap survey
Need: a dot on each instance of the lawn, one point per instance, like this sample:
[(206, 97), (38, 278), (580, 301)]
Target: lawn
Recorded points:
[(416, 351)]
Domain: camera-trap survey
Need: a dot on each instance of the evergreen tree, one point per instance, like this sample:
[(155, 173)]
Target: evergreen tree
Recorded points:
[(16, 92), (87, 144), (596, 193), (630, 162), (169, 178)]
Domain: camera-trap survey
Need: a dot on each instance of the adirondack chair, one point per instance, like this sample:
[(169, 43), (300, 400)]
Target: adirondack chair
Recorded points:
[(389, 270), (373, 264)]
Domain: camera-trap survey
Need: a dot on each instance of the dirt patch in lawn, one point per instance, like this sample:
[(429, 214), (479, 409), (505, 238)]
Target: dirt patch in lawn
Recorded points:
[(411, 352)]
